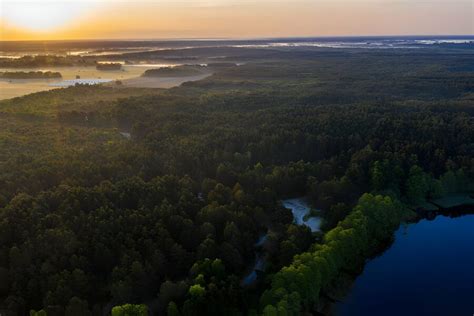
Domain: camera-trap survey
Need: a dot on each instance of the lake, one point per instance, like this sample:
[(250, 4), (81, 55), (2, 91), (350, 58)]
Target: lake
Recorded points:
[(427, 271)]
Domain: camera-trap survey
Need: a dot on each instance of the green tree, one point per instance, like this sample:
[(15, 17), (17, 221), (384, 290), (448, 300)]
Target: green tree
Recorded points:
[(196, 291), (130, 310), (77, 307), (417, 185), (172, 309)]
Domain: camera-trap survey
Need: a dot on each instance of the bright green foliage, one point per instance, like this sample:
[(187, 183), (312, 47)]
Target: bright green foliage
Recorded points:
[(197, 291), (130, 310)]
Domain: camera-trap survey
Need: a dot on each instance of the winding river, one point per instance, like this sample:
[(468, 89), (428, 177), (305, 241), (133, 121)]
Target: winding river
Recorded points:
[(300, 209), (429, 270)]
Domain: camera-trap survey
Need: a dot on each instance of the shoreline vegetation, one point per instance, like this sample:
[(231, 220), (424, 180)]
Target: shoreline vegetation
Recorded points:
[(298, 286), (30, 75), (342, 285), (415, 259), (308, 285)]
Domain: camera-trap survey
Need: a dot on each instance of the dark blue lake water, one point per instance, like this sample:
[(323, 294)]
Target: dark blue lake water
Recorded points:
[(429, 270)]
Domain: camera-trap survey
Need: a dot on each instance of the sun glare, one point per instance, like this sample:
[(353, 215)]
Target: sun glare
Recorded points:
[(42, 16)]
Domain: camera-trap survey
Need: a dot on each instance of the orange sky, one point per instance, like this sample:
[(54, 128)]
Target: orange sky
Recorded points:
[(111, 19)]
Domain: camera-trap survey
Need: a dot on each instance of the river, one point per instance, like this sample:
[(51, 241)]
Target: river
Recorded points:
[(300, 210), (428, 270)]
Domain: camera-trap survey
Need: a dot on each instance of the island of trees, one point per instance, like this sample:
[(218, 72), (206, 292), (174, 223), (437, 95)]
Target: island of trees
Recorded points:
[(109, 66), (30, 75), (45, 61), (177, 71)]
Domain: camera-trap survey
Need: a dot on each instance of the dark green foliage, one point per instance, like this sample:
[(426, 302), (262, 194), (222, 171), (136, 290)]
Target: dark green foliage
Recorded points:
[(44, 60), (178, 71), (30, 75), (334, 215), (417, 185), (172, 310)]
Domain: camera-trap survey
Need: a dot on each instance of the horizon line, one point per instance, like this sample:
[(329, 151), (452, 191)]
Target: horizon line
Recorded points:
[(178, 39)]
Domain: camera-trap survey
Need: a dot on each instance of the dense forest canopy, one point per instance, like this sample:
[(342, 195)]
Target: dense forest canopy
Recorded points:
[(169, 217)]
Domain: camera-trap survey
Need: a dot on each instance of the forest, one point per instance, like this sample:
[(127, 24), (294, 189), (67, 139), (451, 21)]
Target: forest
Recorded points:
[(109, 67), (177, 71), (30, 75), (165, 221), (45, 61)]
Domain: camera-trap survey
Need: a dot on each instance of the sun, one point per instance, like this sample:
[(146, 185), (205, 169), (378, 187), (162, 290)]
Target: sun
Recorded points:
[(42, 16)]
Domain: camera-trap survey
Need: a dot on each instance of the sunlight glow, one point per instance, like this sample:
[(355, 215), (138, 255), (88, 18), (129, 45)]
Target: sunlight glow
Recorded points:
[(42, 16), (152, 19)]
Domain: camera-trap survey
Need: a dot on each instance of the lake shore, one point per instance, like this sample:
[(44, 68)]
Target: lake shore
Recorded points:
[(414, 262), (343, 287), (452, 204)]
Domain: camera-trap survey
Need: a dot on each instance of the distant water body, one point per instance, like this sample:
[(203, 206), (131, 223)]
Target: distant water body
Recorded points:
[(108, 48), (72, 82), (429, 270), (367, 42)]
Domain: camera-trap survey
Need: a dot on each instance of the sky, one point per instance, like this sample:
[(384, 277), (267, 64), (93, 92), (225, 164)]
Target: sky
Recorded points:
[(160, 19)]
